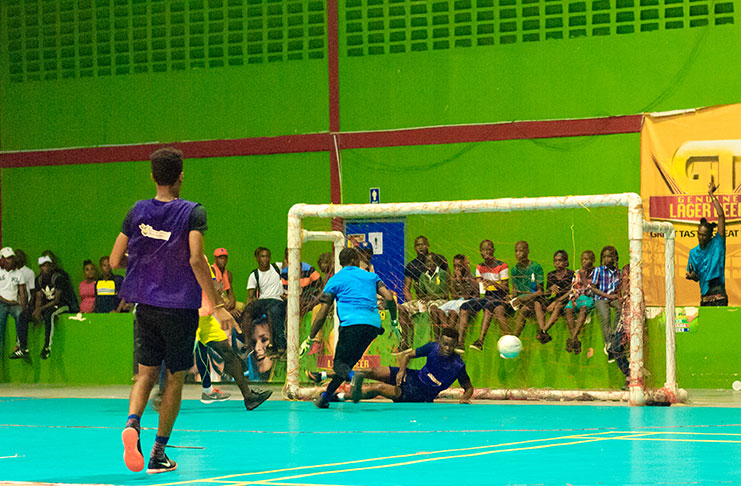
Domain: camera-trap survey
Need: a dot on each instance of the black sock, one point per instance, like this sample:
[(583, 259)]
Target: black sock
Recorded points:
[(133, 421)]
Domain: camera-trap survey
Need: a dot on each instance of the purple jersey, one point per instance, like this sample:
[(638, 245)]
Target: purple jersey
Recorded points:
[(159, 272)]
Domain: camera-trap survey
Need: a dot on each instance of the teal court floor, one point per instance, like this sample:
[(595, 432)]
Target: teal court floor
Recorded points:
[(48, 438)]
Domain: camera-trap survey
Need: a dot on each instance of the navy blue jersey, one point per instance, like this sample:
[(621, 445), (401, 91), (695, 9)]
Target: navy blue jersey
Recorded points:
[(440, 372)]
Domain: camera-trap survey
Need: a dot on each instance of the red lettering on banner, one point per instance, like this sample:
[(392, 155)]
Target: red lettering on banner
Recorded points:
[(690, 209)]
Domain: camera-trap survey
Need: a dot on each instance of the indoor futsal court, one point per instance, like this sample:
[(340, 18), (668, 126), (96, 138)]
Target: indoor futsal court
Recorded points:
[(378, 443), (540, 197)]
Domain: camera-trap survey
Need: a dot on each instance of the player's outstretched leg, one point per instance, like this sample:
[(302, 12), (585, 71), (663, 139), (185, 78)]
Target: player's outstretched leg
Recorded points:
[(235, 367)]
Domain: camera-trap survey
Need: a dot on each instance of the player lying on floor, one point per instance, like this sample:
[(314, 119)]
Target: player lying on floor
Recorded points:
[(401, 384)]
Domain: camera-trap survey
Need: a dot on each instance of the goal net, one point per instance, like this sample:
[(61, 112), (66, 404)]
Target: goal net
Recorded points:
[(452, 229)]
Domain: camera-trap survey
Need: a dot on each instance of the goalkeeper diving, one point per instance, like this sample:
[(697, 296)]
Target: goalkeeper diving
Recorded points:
[(401, 384), (355, 291)]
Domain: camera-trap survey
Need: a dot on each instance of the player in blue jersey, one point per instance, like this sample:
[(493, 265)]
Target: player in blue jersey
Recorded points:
[(442, 369), (707, 262), (355, 291), (161, 244)]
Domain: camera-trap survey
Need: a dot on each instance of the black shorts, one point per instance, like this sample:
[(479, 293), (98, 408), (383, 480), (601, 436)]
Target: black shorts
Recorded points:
[(412, 389), (351, 344), (165, 335), (475, 305)]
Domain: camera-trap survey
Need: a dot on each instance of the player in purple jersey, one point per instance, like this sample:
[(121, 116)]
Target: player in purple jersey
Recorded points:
[(161, 244), (400, 384)]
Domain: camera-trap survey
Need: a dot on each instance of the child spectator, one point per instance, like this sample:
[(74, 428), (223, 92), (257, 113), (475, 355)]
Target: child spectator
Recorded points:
[(265, 296), (463, 286), (412, 272), (433, 283), (605, 280), (620, 346), (527, 290), (106, 290), (432, 292), (581, 299), (493, 277), (87, 286), (558, 286)]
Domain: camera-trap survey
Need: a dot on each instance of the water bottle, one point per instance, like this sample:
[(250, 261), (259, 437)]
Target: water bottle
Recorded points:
[(533, 285)]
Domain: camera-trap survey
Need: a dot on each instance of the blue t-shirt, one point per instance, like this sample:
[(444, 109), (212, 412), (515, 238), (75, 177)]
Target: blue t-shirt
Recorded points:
[(440, 372), (709, 263), (355, 292)]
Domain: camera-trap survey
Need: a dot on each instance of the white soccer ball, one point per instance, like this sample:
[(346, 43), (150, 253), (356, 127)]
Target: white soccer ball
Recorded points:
[(509, 346)]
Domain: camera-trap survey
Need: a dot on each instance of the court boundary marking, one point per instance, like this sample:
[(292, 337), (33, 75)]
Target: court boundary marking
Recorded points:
[(584, 438)]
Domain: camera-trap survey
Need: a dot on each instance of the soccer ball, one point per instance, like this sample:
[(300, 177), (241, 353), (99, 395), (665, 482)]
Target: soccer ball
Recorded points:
[(509, 346)]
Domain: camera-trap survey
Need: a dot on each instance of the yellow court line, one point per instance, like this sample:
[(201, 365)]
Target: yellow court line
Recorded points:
[(382, 458), (685, 433), (419, 461), (682, 440)]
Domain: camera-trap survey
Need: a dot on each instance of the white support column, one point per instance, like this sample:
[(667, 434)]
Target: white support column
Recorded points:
[(637, 318), (292, 305), (667, 229)]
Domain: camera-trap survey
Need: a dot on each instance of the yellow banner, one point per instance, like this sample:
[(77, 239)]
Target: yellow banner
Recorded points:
[(679, 154)]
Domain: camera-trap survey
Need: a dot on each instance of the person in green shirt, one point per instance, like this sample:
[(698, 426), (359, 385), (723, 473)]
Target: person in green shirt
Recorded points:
[(527, 291), (433, 289)]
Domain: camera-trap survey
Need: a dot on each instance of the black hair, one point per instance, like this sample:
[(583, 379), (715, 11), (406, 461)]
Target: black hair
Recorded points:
[(421, 237), (459, 256), (711, 226), (87, 262), (349, 256), (605, 250), (20, 257), (563, 254), (450, 332), (523, 242), (259, 250), (167, 165), (589, 252), (324, 257), (107, 257), (486, 241)]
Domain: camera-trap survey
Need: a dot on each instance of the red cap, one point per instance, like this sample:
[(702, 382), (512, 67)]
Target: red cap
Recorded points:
[(220, 252)]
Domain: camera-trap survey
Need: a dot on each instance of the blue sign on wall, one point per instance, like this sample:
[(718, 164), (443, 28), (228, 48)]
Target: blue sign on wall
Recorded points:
[(387, 239)]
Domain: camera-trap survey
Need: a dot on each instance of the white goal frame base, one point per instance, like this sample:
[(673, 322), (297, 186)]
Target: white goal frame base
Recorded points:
[(637, 393)]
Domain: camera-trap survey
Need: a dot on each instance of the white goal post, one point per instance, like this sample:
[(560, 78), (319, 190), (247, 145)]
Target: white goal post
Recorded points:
[(637, 393)]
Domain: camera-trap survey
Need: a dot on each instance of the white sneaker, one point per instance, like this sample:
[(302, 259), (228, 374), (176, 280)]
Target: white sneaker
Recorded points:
[(215, 396)]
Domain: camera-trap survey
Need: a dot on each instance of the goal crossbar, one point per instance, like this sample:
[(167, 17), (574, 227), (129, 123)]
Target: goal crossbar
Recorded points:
[(637, 393)]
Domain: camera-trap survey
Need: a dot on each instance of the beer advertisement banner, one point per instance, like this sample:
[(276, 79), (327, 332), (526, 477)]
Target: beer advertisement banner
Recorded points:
[(679, 154)]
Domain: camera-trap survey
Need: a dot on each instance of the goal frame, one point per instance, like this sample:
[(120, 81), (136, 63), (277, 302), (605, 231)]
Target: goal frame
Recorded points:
[(637, 393)]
